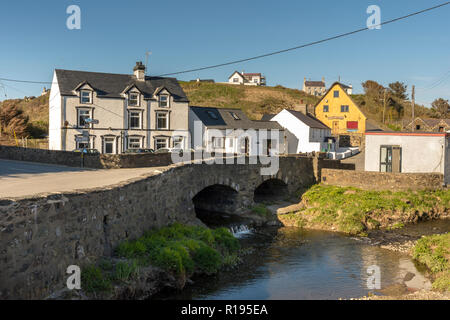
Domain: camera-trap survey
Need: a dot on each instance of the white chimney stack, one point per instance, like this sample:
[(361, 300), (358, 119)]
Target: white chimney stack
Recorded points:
[(139, 71)]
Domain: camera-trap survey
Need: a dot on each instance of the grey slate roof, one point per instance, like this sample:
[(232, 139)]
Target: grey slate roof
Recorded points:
[(308, 120), (225, 119), (314, 84), (111, 85), (267, 117)]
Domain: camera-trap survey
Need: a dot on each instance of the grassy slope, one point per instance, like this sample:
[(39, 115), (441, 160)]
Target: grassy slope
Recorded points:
[(36, 110), (355, 211), (434, 252), (255, 101)]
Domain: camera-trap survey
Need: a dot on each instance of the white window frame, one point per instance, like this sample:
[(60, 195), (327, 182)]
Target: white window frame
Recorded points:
[(181, 143), (217, 142), (89, 115), (130, 112), (167, 101), (158, 114), (166, 142), (89, 92), (134, 138), (113, 144), (137, 99)]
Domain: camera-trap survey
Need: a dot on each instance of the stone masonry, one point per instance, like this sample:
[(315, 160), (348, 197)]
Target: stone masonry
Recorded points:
[(40, 237)]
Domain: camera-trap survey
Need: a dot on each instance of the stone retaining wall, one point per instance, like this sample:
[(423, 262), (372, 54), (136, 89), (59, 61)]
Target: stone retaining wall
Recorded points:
[(381, 180), (75, 159)]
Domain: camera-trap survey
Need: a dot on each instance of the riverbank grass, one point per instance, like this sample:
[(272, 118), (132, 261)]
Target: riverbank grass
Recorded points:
[(178, 249), (434, 252), (354, 211)]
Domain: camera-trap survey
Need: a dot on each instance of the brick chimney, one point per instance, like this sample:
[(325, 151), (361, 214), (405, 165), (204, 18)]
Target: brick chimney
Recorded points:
[(139, 71)]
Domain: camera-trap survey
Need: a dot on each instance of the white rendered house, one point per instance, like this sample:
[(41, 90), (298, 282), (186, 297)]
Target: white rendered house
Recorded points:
[(304, 133)]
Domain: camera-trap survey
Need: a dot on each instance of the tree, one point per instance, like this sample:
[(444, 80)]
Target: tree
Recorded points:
[(12, 120), (373, 90), (440, 108), (398, 90)]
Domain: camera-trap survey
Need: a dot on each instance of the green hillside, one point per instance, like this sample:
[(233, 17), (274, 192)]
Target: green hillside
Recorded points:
[(254, 100)]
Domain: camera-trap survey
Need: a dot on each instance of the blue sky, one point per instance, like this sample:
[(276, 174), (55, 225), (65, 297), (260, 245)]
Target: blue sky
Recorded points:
[(188, 34)]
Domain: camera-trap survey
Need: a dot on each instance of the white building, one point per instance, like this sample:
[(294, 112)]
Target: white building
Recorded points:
[(130, 111), (411, 152), (248, 79), (231, 131), (304, 133)]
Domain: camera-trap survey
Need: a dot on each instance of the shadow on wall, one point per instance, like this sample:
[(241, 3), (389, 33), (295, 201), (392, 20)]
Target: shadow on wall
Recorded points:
[(271, 190)]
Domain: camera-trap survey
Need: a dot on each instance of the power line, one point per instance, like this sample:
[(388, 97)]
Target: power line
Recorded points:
[(274, 52), (308, 44)]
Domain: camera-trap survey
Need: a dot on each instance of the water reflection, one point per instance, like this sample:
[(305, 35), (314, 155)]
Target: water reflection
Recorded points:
[(289, 263)]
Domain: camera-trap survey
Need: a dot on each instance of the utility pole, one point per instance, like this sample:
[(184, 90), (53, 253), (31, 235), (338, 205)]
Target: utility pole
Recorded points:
[(413, 102)]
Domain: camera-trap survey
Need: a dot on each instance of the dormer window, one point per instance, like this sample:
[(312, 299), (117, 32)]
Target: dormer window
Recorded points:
[(164, 101), (133, 99), (86, 96)]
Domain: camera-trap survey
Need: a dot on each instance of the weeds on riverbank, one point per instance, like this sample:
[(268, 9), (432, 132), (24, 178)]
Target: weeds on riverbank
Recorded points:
[(355, 211), (434, 252), (178, 249)]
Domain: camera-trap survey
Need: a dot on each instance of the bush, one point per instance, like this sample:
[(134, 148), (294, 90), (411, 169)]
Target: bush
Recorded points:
[(93, 280), (207, 259), (125, 270), (181, 249)]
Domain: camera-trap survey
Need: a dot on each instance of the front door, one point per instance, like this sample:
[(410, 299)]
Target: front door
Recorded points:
[(335, 127), (109, 145), (390, 159)]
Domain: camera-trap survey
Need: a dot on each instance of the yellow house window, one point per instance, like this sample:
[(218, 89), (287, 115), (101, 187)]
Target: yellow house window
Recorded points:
[(345, 108), (326, 108), (336, 93)]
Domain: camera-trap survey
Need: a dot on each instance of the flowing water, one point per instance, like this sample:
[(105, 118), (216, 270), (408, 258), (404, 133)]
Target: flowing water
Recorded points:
[(290, 263)]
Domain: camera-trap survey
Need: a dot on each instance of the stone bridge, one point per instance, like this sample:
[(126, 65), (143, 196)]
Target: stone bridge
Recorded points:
[(41, 236)]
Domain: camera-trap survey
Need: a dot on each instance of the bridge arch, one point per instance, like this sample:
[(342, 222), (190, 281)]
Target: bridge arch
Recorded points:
[(271, 189), (216, 199)]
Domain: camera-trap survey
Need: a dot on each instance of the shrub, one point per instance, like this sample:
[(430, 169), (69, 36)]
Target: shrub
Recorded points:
[(125, 270), (93, 280), (207, 259)]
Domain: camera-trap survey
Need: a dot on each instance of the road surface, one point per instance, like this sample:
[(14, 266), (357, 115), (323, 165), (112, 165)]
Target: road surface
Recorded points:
[(22, 179)]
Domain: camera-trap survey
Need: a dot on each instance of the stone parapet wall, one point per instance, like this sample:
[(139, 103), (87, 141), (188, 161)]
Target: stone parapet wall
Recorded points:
[(381, 180), (77, 159), (40, 237)]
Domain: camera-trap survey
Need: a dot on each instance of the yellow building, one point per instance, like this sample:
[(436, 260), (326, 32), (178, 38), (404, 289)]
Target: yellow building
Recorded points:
[(339, 112)]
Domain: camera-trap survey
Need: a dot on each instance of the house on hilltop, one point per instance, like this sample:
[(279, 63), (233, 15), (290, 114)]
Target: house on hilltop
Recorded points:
[(116, 112), (248, 79), (315, 88)]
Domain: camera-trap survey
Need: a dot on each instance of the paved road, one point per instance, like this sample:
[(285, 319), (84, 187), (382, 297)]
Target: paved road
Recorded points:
[(21, 179)]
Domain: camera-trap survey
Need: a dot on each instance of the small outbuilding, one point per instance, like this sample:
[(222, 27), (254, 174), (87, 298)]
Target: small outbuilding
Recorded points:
[(408, 152)]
